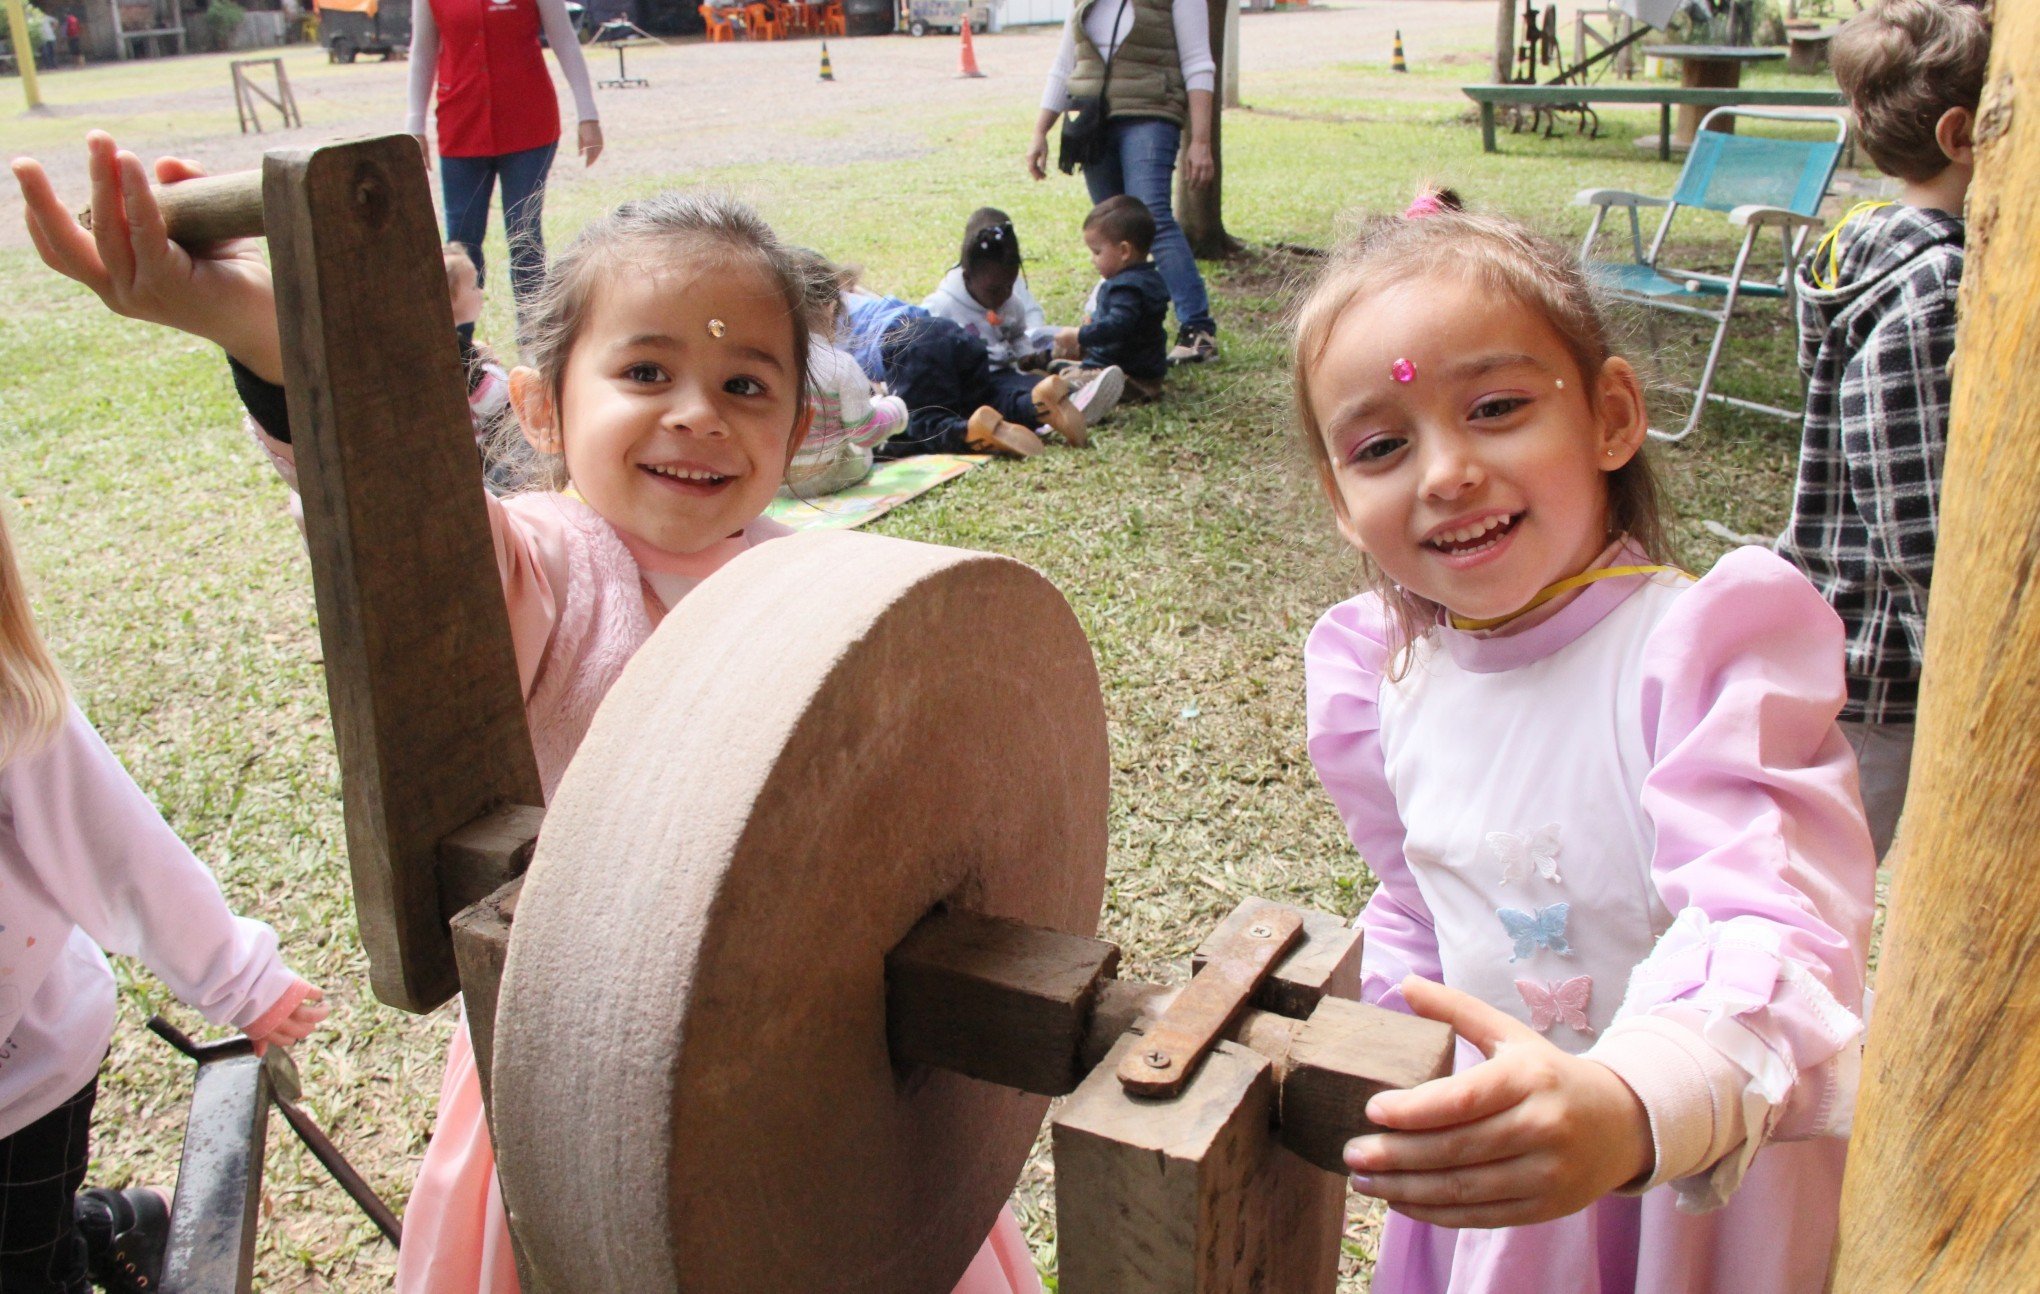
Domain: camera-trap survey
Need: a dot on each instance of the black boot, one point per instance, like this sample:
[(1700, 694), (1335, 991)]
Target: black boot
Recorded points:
[(125, 1233)]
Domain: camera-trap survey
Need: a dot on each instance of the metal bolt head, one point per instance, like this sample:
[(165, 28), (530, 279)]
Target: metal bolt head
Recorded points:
[(1158, 1060), (1260, 931)]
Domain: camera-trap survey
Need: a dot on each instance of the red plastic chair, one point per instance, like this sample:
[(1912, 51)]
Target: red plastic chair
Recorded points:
[(717, 26)]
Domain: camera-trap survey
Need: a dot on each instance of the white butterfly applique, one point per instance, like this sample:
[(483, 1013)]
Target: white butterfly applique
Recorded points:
[(1558, 1001), (1520, 855)]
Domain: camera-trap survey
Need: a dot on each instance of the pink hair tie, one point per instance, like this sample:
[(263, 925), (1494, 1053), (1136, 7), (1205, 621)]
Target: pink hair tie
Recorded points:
[(1426, 205)]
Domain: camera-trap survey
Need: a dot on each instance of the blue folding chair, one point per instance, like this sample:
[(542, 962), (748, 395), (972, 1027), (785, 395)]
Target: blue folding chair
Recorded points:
[(1759, 183)]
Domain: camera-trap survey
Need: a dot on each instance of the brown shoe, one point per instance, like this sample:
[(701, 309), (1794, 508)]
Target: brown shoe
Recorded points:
[(988, 433), (1052, 405)]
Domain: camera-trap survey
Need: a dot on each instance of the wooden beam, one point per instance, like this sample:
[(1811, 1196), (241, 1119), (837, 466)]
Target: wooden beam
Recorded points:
[(481, 947), (428, 714), (994, 999), (1190, 1195), (486, 854), (1939, 1193), (1325, 964), (1339, 1059)]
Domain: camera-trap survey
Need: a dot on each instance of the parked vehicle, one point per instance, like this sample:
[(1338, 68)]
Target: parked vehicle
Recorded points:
[(349, 28), (920, 17)]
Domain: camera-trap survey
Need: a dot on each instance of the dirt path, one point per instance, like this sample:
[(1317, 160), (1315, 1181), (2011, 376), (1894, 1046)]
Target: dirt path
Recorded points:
[(708, 105)]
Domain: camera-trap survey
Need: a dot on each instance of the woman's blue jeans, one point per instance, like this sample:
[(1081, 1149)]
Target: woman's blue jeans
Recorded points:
[(467, 185), (1140, 159)]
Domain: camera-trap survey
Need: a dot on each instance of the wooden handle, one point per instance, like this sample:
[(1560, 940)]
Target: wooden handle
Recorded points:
[(207, 210)]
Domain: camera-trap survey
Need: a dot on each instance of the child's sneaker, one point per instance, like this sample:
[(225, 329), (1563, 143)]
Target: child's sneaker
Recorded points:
[(1195, 348), (988, 433), (125, 1233), (1053, 406), (1099, 396)]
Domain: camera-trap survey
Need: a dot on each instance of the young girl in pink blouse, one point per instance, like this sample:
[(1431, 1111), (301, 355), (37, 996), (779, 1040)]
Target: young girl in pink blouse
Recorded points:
[(664, 398), (1616, 833)]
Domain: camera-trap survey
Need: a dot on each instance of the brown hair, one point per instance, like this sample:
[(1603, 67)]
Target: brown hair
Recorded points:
[(33, 698), (1124, 219), (666, 228), (1903, 64), (1506, 259)]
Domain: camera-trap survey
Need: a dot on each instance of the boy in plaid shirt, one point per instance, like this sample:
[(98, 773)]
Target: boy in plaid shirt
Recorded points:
[(1876, 333)]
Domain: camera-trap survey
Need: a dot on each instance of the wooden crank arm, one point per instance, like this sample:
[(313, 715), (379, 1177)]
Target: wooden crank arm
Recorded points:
[(207, 210), (1038, 1010)]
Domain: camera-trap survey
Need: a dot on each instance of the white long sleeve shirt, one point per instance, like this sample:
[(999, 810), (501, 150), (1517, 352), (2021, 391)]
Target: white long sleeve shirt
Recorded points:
[(1107, 23), (86, 862)]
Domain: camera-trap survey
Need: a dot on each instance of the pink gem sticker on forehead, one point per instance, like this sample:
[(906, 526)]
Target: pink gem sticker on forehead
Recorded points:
[(1403, 371)]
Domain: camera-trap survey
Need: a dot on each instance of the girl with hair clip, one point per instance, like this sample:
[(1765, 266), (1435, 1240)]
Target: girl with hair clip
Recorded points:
[(1615, 829), (87, 863), (665, 395)]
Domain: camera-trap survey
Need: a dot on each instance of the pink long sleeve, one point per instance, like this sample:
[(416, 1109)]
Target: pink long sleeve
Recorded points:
[(1761, 856), (1343, 663)]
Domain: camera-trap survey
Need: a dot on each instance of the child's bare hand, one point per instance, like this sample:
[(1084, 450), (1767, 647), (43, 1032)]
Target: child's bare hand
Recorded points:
[(295, 1027), (129, 262), (1533, 1134), (1066, 344)]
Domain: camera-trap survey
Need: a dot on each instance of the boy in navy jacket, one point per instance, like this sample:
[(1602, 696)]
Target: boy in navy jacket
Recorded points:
[(1126, 317)]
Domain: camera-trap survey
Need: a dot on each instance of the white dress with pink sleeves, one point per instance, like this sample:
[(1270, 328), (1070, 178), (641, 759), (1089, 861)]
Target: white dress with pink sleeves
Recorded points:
[(1634, 826)]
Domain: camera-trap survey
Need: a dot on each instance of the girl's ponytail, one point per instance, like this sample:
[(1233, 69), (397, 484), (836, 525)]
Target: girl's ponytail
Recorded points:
[(33, 697)]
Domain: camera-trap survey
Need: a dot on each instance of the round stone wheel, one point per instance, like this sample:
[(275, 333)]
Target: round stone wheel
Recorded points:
[(692, 1089)]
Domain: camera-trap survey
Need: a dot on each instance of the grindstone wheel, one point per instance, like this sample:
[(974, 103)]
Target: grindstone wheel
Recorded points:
[(692, 1089)]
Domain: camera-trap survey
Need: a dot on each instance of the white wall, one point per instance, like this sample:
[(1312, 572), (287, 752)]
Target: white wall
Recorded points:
[(1016, 13)]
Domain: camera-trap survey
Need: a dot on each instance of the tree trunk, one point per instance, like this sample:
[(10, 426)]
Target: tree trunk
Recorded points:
[(1505, 41), (1940, 1186), (1197, 210)]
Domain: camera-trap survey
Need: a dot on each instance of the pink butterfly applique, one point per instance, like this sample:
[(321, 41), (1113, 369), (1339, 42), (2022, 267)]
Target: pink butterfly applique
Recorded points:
[(1558, 1001)]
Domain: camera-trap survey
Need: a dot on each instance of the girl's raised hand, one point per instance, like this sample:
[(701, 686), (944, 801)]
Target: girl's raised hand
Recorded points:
[(127, 259), (1533, 1134)]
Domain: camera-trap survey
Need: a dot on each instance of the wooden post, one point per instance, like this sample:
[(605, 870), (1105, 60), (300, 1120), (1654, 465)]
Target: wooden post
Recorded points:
[(427, 712), (1505, 43), (1939, 1193), (24, 53), (1198, 210)]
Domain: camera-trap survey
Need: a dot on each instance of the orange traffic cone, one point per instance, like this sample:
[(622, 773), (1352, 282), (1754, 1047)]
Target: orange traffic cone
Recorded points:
[(828, 73), (970, 67)]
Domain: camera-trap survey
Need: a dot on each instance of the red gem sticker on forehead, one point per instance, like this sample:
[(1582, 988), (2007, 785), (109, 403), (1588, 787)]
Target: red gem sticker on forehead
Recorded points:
[(1403, 371)]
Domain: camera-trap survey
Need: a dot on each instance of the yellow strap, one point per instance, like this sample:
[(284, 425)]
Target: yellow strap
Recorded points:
[(1830, 244), (1566, 585)]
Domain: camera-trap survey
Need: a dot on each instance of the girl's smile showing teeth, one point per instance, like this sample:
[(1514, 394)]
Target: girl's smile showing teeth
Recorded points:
[(1473, 537)]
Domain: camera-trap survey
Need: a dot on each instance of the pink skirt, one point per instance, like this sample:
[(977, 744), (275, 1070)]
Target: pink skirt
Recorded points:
[(457, 1241)]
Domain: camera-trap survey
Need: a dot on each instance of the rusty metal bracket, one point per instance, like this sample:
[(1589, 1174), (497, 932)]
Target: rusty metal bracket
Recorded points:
[(1177, 1042)]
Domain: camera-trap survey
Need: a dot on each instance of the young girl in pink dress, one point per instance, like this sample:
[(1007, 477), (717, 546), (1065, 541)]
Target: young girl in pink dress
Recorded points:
[(666, 395), (1616, 833)]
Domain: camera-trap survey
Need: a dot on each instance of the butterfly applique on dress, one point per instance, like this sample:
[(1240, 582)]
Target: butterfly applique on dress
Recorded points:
[(1558, 1001), (1520, 855), (1544, 930)]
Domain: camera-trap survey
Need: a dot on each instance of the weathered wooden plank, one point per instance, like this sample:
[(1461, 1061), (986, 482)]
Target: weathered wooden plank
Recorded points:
[(1325, 964), (994, 999), (1190, 1195), (486, 854), (1342, 1056), (1939, 1193), (427, 709), (481, 946)]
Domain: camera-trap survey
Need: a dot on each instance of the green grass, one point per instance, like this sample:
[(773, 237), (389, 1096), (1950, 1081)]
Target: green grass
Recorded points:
[(176, 591)]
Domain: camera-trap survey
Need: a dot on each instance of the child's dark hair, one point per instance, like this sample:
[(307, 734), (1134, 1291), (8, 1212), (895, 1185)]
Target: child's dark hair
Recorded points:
[(1903, 64), (1508, 260), (642, 234), (1124, 219), (989, 242)]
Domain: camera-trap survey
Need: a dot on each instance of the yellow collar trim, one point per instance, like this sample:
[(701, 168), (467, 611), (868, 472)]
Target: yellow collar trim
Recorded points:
[(1830, 245), (1566, 585)]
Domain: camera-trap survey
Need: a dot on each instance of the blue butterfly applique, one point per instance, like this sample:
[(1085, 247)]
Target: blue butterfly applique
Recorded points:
[(1545, 930)]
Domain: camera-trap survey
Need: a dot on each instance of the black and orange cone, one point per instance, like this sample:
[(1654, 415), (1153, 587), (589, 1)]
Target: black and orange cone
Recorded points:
[(1395, 63), (970, 67)]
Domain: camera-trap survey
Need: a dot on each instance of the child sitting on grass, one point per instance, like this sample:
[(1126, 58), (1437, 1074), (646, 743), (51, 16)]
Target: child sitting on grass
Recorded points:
[(1876, 332), (850, 419), (1125, 321), (87, 863), (987, 298)]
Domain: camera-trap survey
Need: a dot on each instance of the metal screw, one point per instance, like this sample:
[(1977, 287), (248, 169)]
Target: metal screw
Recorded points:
[(1158, 1060), (1259, 932)]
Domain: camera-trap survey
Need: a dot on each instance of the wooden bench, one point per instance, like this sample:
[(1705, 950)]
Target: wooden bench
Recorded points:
[(1665, 97), (1807, 48)]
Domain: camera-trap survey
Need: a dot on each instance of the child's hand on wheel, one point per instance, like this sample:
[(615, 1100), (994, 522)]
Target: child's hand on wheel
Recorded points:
[(1533, 1134), (222, 294)]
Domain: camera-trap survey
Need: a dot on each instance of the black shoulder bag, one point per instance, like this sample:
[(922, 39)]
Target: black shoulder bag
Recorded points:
[(1083, 121)]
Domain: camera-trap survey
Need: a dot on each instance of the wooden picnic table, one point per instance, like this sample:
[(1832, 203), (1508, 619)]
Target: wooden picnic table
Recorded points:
[(1708, 67), (1665, 97)]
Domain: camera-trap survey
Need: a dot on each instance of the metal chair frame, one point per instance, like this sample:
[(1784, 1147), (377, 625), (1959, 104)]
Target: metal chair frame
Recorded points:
[(1794, 224)]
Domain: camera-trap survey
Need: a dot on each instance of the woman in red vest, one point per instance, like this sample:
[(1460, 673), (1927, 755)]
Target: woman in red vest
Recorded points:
[(499, 119)]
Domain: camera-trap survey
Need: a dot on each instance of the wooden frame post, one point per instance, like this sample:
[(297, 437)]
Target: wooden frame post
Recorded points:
[(1940, 1187)]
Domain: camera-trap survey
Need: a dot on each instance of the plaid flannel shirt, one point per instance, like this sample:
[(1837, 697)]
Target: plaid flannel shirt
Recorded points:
[(1876, 334)]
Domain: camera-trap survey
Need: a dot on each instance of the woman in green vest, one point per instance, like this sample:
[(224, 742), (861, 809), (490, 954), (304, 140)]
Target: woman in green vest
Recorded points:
[(1161, 78)]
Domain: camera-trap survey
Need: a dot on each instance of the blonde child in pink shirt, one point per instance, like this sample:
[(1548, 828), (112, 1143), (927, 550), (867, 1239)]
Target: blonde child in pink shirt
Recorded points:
[(664, 398)]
